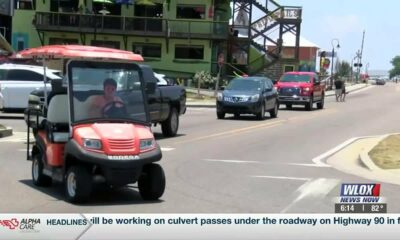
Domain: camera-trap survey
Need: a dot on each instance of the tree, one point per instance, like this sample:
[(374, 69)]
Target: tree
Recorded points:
[(396, 67), (343, 68)]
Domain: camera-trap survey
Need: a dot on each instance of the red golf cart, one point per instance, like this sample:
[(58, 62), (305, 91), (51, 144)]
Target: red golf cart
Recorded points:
[(74, 146)]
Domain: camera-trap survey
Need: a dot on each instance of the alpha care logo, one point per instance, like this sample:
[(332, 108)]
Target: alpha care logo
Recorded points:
[(10, 223), (24, 225), (29, 224)]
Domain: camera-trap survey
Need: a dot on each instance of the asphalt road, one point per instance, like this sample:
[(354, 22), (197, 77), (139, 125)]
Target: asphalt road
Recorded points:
[(229, 166)]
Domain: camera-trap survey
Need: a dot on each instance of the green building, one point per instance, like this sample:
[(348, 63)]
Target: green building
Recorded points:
[(175, 37)]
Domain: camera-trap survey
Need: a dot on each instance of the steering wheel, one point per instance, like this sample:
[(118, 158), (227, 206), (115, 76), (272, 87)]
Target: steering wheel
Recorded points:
[(114, 109)]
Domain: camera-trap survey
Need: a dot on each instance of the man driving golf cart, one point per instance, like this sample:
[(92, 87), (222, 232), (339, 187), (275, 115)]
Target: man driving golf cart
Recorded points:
[(102, 103), (116, 145)]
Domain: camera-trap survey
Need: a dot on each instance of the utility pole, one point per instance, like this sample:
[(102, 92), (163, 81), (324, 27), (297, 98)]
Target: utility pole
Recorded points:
[(359, 54)]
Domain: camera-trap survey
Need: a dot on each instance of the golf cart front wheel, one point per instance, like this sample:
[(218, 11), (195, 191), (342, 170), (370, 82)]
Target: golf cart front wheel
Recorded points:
[(78, 184), (152, 182)]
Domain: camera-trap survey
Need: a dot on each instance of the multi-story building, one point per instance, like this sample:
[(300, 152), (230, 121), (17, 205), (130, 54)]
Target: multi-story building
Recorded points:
[(176, 37)]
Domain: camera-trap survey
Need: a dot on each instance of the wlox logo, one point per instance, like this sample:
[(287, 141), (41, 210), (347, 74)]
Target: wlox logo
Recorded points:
[(354, 193)]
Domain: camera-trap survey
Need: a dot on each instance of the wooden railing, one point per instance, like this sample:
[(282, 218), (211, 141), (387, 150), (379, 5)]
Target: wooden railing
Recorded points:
[(74, 22)]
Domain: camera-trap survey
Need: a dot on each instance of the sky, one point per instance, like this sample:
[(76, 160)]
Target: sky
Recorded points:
[(345, 20)]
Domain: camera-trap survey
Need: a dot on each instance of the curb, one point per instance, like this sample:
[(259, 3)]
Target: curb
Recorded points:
[(6, 132), (365, 158)]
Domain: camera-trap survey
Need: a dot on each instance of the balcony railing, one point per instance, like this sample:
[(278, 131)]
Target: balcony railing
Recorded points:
[(139, 26)]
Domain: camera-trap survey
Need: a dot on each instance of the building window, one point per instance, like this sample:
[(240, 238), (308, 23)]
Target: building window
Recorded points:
[(147, 50), (62, 41), (189, 52), (26, 4), (108, 44), (190, 11), (288, 68)]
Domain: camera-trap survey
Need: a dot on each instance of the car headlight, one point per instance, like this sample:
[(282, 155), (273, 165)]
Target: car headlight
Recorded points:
[(254, 98), (220, 96), (146, 144), (92, 143)]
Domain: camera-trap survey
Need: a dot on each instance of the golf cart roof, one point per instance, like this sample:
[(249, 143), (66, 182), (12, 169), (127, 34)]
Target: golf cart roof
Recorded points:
[(79, 52)]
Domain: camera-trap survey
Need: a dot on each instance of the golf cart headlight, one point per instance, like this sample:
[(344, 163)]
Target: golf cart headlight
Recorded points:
[(92, 143), (220, 96), (147, 144), (254, 98)]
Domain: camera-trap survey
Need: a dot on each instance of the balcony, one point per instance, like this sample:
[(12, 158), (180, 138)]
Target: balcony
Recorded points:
[(130, 26)]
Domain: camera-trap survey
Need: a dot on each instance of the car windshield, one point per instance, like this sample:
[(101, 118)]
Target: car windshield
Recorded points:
[(295, 78), (244, 84), (107, 92)]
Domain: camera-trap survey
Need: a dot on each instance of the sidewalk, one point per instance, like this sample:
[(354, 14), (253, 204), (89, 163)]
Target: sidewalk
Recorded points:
[(193, 102)]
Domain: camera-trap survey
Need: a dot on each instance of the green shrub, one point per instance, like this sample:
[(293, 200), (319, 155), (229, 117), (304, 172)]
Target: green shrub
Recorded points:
[(205, 78)]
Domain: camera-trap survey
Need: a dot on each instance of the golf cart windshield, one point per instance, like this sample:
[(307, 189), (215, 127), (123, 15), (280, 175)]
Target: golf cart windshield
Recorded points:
[(106, 91)]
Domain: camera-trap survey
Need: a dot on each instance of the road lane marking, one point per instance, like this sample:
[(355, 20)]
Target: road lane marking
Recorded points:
[(229, 161), (234, 131), (320, 159), (281, 177), (317, 188), (167, 149), (308, 165)]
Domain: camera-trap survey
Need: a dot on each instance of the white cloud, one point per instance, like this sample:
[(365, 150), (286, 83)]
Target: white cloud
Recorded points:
[(340, 26)]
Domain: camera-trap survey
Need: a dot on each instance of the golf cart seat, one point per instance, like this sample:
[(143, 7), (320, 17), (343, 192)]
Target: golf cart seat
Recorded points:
[(58, 118)]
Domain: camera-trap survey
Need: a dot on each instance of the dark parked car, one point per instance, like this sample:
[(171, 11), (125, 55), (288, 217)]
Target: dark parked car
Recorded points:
[(248, 95), (380, 81)]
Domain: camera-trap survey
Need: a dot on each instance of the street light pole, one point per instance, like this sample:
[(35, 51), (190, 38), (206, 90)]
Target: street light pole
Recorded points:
[(358, 66), (351, 73), (333, 57)]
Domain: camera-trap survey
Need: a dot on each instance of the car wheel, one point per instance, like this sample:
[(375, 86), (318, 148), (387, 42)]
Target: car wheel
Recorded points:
[(261, 114), (236, 115), (289, 106), (220, 115), (309, 105), (151, 182), (170, 126), (320, 105), (78, 184), (39, 179), (274, 111)]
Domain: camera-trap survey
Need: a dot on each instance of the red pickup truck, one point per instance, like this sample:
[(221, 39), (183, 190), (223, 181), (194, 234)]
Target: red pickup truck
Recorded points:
[(301, 88)]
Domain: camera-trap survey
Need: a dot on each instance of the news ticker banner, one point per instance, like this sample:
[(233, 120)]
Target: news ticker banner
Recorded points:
[(199, 226)]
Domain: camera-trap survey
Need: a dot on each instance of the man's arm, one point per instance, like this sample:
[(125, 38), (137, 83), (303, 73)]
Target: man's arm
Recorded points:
[(94, 106)]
